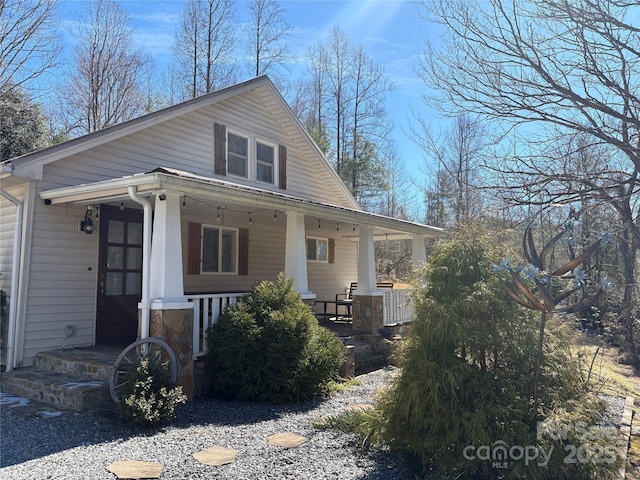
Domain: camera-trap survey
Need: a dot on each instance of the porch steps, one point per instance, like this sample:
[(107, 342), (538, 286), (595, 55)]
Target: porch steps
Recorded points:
[(371, 351), (74, 379)]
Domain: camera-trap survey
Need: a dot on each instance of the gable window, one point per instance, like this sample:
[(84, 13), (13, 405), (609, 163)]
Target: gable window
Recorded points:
[(317, 249), (219, 250), (237, 155), (264, 162)]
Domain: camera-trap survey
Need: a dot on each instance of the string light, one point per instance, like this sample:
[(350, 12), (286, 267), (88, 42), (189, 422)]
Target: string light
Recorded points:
[(337, 227), (319, 226), (218, 216), (275, 215), (121, 205), (184, 202), (250, 219), (354, 227)]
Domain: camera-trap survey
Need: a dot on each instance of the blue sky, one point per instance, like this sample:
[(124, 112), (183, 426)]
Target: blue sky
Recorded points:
[(389, 30)]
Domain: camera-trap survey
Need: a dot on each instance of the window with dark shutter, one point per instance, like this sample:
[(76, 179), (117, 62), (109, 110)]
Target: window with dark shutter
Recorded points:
[(220, 149), (194, 248), (282, 167), (332, 250)]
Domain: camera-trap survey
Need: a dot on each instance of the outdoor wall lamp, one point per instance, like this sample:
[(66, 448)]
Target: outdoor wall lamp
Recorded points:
[(162, 197), (87, 224)]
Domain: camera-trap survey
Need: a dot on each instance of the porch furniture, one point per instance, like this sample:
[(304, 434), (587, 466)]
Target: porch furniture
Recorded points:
[(346, 300)]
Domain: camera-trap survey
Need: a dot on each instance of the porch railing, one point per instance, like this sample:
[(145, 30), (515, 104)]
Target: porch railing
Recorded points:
[(207, 307), (397, 306)]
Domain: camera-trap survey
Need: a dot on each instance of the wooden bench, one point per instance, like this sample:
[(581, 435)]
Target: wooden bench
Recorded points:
[(346, 300)]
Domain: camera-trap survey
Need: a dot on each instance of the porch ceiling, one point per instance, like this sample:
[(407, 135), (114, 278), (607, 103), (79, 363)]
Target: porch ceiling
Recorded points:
[(205, 197)]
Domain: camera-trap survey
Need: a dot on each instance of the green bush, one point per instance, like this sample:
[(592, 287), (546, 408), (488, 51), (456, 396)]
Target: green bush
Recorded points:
[(269, 347), (148, 397), (467, 378)]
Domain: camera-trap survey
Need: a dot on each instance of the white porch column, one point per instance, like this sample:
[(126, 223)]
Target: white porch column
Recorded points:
[(166, 288), (366, 263), (295, 260), (419, 251)]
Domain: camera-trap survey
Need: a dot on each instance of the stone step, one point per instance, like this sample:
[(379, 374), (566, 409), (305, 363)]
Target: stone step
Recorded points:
[(93, 362), (369, 363), (54, 388)]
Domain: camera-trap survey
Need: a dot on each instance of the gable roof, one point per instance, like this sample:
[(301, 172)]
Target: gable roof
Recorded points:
[(27, 164)]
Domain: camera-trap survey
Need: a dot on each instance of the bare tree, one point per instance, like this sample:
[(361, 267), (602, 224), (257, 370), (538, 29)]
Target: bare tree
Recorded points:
[(204, 47), (104, 87), (348, 93), (267, 42), (459, 153), (29, 44), (548, 69)]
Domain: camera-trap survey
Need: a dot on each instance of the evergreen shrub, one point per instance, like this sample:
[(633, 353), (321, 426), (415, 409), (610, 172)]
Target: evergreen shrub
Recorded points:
[(269, 347), (467, 379), (149, 397)]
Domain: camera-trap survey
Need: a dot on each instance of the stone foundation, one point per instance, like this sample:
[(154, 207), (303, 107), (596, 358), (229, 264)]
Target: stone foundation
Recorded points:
[(176, 328), (368, 313)]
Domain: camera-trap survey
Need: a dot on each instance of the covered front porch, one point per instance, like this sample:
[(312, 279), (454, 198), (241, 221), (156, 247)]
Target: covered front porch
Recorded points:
[(203, 242)]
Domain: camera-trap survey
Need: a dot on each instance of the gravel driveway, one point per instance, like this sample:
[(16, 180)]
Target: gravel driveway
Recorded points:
[(81, 445)]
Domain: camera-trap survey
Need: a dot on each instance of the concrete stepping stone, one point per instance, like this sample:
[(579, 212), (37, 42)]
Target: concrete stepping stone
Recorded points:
[(287, 440), (133, 469), (216, 456)]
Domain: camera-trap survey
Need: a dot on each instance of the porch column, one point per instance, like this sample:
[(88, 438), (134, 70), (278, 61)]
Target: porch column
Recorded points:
[(419, 251), (366, 262), (171, 313), (367, 308), (295, 259)]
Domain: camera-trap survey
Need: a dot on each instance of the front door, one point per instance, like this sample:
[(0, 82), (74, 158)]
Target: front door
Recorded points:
[(119, 274)]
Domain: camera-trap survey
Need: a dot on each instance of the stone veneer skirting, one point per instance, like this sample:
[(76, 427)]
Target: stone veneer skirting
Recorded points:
[(368, 313), (176, 328)]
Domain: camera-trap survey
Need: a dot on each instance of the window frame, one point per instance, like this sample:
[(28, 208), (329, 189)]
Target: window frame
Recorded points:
[(248, 163), (274, 165), (221, 229), (317, 240)]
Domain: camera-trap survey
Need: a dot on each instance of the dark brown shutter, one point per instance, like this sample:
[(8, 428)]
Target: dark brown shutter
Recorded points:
[(194, 243), (282, 167), (243, 252), (220, 149), (332, 250)]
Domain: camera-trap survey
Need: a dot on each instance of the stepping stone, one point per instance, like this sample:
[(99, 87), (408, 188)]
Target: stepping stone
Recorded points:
[(359, 407), (134, 469), (287, 440), (216, 456)]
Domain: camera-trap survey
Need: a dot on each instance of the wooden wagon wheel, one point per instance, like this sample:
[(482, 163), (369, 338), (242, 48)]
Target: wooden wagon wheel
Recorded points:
[(128, 358)]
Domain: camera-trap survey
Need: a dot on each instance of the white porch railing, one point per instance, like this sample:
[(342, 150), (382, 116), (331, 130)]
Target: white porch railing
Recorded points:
[(207, 307), (397, 307)]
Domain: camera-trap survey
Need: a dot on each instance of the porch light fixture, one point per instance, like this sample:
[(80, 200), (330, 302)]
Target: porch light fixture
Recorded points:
[(86, 225), (162, 197)]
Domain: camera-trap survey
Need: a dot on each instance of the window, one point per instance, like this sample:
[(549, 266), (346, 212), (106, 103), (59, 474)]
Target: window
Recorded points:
[(219, 250), (237, 155), (317, 249), (264, 162)]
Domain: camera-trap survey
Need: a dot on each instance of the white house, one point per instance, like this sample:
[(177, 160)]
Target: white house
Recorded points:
[(104, 236)]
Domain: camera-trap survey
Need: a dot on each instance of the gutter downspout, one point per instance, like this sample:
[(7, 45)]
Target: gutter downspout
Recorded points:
[(145, 301), (15, 278)]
